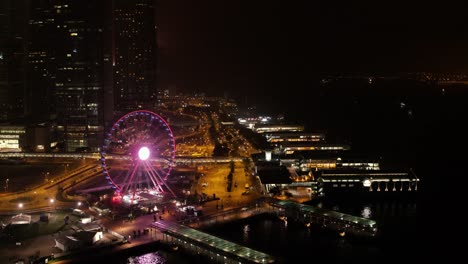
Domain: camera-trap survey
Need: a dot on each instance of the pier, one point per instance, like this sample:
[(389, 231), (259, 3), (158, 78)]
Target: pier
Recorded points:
[(307, 214), (217, 249)]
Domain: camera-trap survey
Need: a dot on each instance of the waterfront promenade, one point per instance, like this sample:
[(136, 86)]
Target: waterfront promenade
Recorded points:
[(44, 245), (139, 233)]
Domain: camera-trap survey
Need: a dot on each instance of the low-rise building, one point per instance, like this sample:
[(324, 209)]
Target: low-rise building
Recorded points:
[(77, 240), (12, 138), (335, 181)]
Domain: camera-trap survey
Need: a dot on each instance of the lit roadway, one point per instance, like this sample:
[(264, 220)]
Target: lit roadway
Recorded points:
[(216, 183), (46, 196)]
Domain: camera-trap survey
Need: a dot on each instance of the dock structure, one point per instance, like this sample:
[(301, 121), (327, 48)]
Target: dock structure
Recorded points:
[(307, 214), (215, 248), (367, 181)]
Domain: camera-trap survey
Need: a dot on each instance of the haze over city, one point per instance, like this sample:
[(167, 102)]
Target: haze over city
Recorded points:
[(265, 45)]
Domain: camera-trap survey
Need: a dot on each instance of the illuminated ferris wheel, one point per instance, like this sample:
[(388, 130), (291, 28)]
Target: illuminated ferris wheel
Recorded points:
[(138, 155)]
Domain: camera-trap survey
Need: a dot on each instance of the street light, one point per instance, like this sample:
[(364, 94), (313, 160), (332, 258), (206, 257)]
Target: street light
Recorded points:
[(66, 166), (51, 203), (46, 176), (20, 205)]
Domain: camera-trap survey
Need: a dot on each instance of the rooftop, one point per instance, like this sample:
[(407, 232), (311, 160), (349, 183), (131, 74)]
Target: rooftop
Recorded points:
[(270, 175)]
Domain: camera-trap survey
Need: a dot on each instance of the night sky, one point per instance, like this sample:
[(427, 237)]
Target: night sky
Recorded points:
[(255, 46)]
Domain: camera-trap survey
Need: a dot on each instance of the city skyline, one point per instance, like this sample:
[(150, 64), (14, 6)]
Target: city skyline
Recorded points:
[(243, 131), (260, 56)]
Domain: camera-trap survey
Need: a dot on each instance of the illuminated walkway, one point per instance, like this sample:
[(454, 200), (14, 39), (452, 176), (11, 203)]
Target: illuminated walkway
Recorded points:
[(217, 249)]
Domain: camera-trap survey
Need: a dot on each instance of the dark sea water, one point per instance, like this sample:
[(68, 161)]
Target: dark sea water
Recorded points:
[(293, 241), (148, 255), (403, 236)]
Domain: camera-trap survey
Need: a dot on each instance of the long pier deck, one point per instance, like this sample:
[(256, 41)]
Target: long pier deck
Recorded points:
[(217, 249)]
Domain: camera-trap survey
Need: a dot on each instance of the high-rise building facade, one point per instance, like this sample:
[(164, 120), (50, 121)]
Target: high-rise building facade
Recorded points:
[(13, 15), (65, 73), (134, 56)]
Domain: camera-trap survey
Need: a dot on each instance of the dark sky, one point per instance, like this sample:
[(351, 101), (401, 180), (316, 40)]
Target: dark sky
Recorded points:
[(255, 46)]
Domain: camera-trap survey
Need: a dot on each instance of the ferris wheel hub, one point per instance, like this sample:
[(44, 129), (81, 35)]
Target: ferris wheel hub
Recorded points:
[(143, 153)]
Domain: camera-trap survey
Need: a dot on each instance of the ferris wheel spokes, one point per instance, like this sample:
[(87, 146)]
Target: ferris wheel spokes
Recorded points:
[(161, 179), (126, 186), (157, 182)]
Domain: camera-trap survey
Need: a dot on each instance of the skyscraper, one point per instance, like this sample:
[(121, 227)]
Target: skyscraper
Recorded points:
[(12, 58), (66, 69), (134, 54)]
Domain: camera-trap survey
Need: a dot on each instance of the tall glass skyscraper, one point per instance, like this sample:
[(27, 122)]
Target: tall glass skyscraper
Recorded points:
[(12, 58), (134, 54), (65, 75), (75, 59)]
